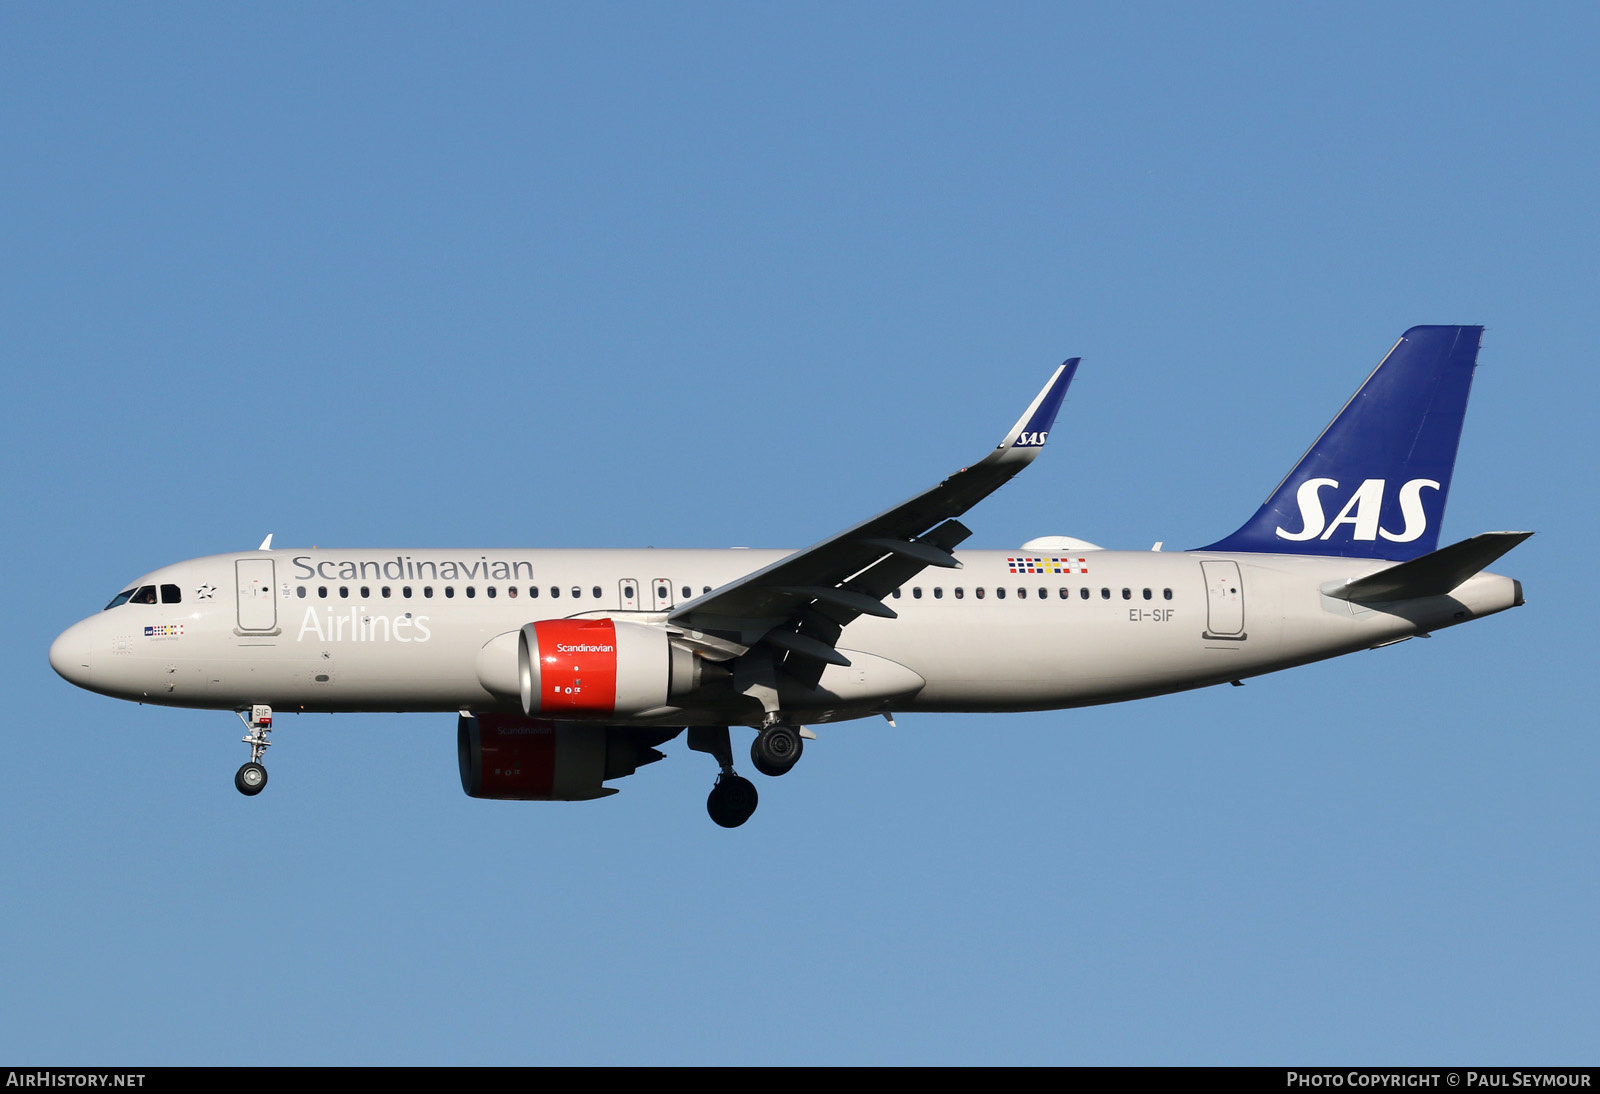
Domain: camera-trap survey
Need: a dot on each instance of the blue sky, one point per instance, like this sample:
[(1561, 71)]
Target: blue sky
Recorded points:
[(705, 275)]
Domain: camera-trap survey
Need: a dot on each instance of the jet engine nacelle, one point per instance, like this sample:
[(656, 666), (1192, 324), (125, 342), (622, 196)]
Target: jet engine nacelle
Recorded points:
[(591, 668), (600, 668), (510, 758)]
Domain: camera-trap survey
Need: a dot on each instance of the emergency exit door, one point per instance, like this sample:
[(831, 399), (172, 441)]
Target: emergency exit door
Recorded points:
[(662, 590)]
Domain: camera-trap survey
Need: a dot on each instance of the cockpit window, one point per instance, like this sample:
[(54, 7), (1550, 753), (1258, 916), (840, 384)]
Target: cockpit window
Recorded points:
[(170, 594), (145, 594), (119, 600)]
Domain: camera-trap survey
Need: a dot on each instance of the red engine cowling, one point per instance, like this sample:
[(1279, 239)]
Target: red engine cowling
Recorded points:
[(533, 759), (599, 668)]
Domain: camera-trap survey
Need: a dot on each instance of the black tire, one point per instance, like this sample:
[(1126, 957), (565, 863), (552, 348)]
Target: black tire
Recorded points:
[(776, 749), (251, 779), (732, 800)]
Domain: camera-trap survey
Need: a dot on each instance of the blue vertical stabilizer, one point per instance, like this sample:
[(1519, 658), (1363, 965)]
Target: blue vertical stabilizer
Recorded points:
[(1374, 484)]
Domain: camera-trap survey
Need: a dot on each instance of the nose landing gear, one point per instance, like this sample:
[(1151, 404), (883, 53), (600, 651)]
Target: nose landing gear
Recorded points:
[(251, 779)]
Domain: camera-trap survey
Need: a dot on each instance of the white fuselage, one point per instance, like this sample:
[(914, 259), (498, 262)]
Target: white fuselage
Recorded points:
[(398, 630)]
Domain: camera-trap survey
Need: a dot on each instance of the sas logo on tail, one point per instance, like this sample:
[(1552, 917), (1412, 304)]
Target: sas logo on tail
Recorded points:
[(1361, 512), (1031, 440)]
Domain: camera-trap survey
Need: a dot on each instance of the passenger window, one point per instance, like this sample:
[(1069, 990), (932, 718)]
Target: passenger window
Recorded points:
[(979, 592), (555, 590), (1022, 594), (627, 592), (1066, 593), (1083, 593), (896, 594), (1105, 593), (511, 591), (300, 591), (1044, 594), (1166, 594), (489, 592), (171, 595), (322, 592), (449, 592), (1127, 594), (706, 589), (427, 591), (960, 592), (405, 591), (597, 593), (1000, 594), (471, 592), (385, 592), (344, 592), (687, 593), (916, 592), (533, 592), (366, 592), (576, 592), (1147, 594)]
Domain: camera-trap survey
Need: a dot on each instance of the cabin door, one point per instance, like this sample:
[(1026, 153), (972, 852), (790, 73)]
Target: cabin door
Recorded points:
[(1224, 600), (258, 609)]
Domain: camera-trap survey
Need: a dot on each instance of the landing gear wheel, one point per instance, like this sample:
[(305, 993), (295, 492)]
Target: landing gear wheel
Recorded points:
[(251, 779), (776, 749), (732, 800)]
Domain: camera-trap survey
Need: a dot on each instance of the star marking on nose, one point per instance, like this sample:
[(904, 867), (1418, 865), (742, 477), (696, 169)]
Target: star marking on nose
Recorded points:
[(204, 592)]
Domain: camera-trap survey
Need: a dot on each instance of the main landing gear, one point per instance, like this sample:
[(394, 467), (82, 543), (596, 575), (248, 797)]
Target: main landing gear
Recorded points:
[(733, 798), (251, 779), (776, 749)]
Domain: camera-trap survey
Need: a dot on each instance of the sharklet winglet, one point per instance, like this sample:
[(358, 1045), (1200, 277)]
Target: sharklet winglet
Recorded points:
[(1034, 426)]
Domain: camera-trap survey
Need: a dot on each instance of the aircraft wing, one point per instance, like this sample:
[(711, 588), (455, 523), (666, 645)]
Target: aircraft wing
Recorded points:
[(801, 602)]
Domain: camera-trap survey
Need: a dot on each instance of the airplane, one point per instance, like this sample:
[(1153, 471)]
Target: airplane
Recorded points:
[(566, 669)]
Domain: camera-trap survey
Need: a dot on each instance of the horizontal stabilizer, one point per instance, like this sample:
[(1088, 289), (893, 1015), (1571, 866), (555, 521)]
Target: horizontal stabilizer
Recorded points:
[(1433, 574)]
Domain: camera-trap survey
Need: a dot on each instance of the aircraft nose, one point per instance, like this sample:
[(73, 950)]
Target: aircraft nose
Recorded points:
[(71, 654)]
